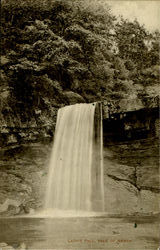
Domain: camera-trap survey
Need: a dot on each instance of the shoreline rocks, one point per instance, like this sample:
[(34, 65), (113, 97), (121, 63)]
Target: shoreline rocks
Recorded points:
[(5, 246)]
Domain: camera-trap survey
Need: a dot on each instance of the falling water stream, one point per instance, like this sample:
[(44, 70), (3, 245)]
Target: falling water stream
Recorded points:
[(75, 188), (75, 180)]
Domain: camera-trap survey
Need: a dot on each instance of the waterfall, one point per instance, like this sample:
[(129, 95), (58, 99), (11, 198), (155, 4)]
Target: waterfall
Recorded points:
[(75, 180)]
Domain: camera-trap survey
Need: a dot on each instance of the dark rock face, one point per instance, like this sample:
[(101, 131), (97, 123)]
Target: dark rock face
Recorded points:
[(131, 161)]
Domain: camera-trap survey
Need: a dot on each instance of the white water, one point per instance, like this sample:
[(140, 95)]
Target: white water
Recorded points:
[(70, 184), (101, 158)]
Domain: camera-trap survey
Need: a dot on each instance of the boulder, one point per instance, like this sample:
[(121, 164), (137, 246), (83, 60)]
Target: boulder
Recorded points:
[(22, 246), (9, 204), (4, 246)]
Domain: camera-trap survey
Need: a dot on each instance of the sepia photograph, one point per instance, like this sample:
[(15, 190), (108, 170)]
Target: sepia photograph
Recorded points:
[(79, 125)]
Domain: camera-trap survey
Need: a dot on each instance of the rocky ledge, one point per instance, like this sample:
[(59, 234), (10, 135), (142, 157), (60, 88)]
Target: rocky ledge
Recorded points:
[(131, 162), (131, 167)]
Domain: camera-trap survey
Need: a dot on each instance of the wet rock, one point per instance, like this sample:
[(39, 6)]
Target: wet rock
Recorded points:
[(4, 246), (22, 246), (9, 204), (24, 209)]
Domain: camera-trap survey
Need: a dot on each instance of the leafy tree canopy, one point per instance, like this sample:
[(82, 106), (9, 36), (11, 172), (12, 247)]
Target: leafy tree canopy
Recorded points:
[(50, 46)]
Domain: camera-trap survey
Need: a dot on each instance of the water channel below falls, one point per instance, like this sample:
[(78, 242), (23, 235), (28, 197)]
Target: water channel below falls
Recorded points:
[(81, 233)]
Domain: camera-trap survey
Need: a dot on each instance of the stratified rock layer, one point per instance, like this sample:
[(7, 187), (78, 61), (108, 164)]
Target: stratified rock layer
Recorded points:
[(131, 167), (131, 162)]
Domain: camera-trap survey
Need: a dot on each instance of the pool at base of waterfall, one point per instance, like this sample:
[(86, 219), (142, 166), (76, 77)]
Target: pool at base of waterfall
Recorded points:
[(81, 232)]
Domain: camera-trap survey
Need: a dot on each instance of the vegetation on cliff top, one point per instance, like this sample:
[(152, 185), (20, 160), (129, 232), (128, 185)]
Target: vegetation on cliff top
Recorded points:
[(52, 47)]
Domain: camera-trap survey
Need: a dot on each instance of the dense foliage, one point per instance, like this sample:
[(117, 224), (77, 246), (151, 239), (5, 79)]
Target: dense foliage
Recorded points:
[(53, 46)]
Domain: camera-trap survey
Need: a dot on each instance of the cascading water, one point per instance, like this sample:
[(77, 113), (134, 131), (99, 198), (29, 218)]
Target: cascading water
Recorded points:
[(75, 180)]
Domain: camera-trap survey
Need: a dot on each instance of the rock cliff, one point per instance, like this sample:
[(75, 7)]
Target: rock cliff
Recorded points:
[(57, 53), (131, 167), (131, 162)]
